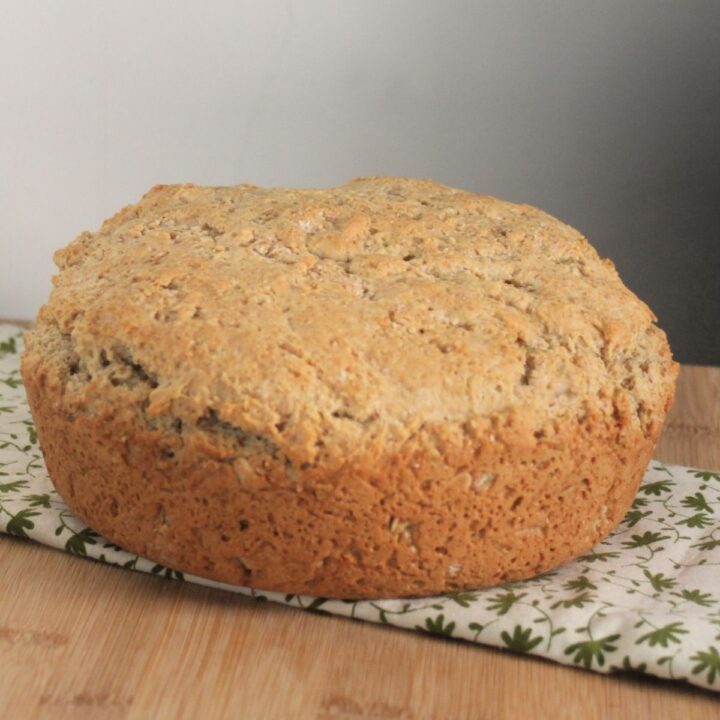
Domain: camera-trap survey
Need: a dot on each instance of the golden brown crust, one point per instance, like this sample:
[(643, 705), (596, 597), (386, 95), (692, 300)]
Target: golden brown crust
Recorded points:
[(388, 388)]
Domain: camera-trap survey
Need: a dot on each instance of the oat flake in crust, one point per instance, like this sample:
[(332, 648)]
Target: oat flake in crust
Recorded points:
[(388, 388)]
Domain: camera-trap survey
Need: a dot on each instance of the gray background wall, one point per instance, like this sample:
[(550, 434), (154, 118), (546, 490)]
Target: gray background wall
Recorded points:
[(606, 114)]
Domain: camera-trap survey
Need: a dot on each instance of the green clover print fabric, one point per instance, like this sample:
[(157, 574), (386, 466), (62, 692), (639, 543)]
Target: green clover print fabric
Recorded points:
[(646, 599)]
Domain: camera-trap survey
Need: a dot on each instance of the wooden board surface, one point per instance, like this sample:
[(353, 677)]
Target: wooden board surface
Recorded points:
[(82, 640)]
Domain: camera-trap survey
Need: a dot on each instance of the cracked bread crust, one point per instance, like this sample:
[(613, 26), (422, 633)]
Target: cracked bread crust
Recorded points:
[(388, 388)]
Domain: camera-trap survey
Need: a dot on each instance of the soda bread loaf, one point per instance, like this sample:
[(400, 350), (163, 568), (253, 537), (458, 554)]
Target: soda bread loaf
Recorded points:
[(389, 388)]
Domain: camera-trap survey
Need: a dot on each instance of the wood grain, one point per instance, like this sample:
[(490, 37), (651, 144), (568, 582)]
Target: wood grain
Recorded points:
[(82, 640)]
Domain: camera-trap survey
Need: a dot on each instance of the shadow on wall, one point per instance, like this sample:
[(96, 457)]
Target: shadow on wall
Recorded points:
[(648, 192)]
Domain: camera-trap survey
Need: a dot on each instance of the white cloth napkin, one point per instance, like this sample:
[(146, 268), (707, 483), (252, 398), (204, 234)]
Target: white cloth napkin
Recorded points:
[(645, 600)]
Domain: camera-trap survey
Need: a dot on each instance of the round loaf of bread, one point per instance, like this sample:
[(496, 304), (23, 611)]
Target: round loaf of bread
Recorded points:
[(390, 388)]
